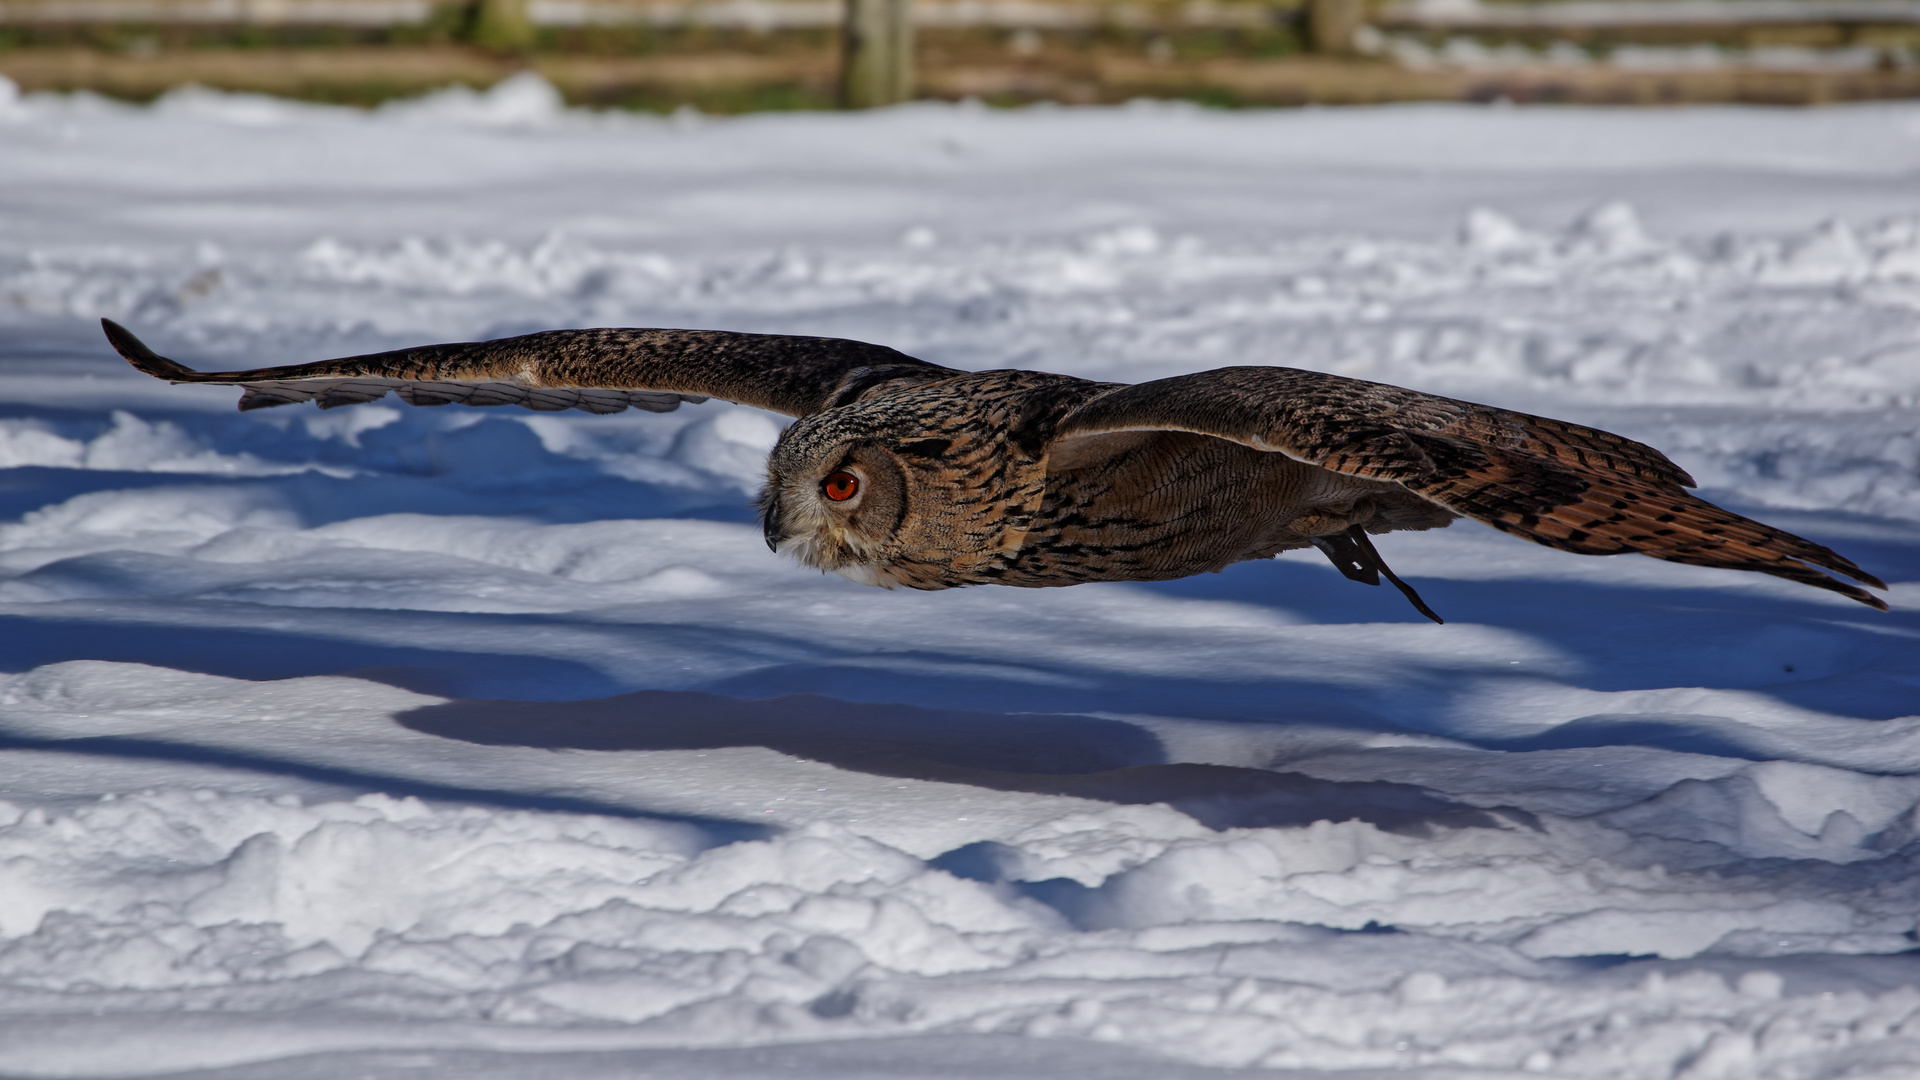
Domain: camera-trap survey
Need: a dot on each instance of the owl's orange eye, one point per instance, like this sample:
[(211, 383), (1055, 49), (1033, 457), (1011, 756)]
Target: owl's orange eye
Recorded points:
[(840, 486)]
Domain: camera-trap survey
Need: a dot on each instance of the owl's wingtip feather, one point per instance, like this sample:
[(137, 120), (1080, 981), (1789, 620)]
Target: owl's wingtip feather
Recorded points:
[(135, 352)]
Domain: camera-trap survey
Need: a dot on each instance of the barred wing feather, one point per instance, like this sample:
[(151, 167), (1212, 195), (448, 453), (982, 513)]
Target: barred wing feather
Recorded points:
[(333, 393), (598, 371), (1565, 486)]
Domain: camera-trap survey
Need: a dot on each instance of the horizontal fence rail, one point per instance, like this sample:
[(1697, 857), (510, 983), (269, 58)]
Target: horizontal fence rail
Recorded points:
[(1609, 14), (1442, 16), (763, 15), (203, 12)]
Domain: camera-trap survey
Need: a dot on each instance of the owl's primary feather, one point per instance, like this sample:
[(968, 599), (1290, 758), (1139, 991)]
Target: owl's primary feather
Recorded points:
[(598, 371), (1559, 484), (901, 472)]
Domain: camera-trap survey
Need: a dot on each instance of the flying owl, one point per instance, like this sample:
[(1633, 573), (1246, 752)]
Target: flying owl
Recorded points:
[(898, 472)]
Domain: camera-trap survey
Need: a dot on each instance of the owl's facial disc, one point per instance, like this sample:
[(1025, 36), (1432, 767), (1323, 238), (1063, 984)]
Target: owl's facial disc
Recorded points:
[(840, 510)]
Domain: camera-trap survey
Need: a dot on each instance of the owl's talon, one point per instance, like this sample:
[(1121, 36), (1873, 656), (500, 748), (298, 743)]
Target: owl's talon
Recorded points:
[(1360, 540), (1354, 555)]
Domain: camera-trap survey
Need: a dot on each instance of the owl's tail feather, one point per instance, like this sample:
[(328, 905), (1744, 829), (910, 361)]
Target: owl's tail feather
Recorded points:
[(1353, 554)]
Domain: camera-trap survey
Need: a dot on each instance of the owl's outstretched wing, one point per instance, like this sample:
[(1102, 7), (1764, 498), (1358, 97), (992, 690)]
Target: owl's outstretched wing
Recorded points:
[(1559, 484), (598, 371)]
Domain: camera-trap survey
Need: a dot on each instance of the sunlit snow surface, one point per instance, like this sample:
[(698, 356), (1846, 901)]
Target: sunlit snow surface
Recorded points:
[(387, 742)]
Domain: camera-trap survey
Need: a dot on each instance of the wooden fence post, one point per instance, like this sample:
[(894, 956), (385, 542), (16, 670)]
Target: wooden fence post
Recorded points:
[(503, 25), (876, 53), (1332, 24)]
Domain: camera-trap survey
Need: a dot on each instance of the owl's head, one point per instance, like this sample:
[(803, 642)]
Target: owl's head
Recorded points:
[(927, 490), (853, 498)]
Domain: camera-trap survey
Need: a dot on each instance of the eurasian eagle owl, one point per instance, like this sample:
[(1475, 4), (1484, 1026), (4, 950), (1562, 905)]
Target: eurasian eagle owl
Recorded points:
[(900, 472)]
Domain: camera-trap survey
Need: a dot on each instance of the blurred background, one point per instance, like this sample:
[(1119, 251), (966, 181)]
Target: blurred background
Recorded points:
[(741, 55)]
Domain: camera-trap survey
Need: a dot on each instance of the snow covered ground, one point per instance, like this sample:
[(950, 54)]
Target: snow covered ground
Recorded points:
[(385, 742)]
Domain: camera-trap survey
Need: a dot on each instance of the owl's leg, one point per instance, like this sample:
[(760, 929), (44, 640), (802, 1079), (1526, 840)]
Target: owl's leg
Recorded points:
[(1353, 554), (1348, 557)]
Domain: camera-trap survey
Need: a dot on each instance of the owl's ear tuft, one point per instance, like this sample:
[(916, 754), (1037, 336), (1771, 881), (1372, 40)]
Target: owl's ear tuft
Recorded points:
[(925, 447)]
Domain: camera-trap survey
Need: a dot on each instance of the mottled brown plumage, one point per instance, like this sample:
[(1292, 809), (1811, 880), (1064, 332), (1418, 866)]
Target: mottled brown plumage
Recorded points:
[(1035, 479)]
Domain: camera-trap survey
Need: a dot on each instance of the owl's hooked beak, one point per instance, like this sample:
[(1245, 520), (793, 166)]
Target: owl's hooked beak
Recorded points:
[(770, 524)]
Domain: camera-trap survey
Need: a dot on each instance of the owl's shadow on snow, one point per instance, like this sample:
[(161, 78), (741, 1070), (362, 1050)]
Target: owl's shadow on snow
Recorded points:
[(1081, 756)]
